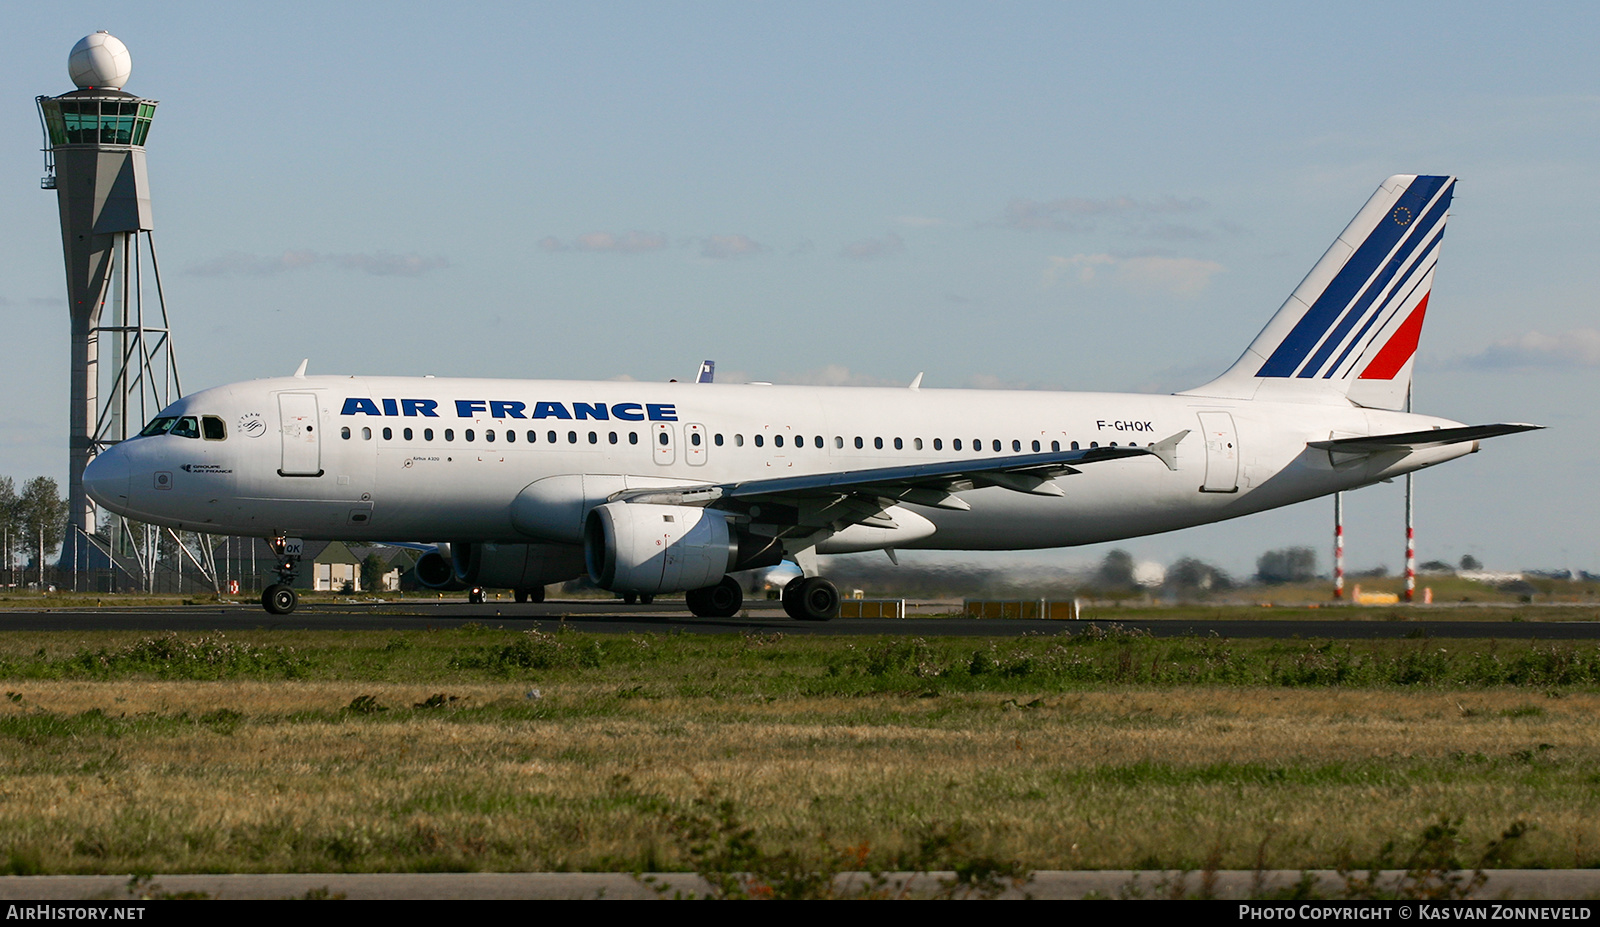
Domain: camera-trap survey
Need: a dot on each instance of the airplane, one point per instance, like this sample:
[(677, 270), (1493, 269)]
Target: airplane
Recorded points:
[(652, 489)]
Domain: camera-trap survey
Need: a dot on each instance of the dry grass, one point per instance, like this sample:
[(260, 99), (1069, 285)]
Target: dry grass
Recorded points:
[(281, 775)]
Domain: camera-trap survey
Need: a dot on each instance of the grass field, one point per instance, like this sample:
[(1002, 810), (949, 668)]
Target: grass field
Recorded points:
[(488, 749)]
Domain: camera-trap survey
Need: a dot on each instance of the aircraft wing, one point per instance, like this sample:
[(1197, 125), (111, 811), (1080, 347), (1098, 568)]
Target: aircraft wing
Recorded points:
[(839, 499), (1419, 440)]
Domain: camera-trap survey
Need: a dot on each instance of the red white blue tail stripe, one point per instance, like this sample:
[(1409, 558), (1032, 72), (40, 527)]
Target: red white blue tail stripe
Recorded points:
[(1350, 330)]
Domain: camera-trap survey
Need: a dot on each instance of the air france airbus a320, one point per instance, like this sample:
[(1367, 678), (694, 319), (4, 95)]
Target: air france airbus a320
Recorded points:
[(662, 488)]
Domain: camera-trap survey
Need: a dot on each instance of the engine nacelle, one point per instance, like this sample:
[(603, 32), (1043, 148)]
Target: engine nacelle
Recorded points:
[(650, 549), (434, 571), (515, 566)]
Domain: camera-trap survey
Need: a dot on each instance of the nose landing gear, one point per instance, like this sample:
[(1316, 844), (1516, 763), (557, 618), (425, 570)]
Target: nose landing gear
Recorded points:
[(280, 597)]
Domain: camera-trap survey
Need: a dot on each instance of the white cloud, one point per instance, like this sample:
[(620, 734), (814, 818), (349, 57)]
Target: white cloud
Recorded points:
[(869, 249), (722, 247), (1577, 348), (381, 264), (631, 242), (1078, 214), (1179, 276)]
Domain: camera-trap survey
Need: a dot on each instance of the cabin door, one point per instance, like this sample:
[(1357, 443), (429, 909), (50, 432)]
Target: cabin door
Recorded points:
[(1222, 452), (302, 438)]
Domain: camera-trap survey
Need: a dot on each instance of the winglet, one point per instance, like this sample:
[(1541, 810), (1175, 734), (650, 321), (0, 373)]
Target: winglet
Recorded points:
[(1167, 449), (300, 371)]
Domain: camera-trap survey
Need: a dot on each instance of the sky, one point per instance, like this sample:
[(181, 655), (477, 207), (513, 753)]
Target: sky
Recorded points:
[(1019, 195)]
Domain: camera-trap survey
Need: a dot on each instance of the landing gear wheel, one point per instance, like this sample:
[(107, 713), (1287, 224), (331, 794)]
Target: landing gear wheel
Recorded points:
[(811, 598), (279, 599), (475, 596), (536, 594), (629, 598), (645, 598), (720, 601)]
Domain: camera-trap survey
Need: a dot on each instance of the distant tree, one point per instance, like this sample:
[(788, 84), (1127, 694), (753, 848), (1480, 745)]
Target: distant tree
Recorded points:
[(1189, 573), (1289, 565), (9, 524), (42, 518), (372, 570), (1435, 566), (1116, 571), (1469, 562)]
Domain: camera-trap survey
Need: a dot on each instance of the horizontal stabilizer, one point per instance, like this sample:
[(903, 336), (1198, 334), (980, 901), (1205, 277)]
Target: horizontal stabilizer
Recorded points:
[(1420, 440)]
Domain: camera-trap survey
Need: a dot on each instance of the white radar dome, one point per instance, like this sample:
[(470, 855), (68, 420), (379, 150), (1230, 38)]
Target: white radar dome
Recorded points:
[(100, 62)]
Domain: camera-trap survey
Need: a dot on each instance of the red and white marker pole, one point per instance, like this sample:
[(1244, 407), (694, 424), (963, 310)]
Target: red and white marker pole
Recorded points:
[(1338, 545), (1411, 545), (1411, 532)]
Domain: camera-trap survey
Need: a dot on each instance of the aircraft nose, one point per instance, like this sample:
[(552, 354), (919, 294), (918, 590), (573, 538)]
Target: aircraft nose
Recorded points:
[(107, 477)]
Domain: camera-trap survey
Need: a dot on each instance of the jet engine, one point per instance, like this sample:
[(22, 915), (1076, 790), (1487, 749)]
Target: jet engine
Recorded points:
[(648, 549), (434, 571), (515, 566)]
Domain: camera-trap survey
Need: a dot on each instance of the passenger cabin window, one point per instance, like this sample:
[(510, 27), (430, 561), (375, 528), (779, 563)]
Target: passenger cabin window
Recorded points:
[(759, 440), (777, 440), (819, 441), (345, 432), (938, 444), (212, 428), (388, 434)]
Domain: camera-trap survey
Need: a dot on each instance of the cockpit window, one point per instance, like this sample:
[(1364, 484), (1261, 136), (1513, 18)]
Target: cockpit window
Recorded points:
[(212, 428), (186, 427), (157, 427)]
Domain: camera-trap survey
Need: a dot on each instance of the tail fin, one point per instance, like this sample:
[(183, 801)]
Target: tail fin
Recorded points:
[(1349, 332)]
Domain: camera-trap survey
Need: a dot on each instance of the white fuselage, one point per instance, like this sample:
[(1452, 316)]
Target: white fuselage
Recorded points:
[(368, 458)]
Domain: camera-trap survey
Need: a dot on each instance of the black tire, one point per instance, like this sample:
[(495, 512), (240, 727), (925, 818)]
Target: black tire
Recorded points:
[(536, 594), (816, 600), (720, 601), (630, 598), (475, 596), (279, 599), (791, 598), (646, 598)]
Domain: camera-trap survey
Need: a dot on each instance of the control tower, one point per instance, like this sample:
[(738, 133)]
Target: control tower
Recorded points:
[(94, 158)]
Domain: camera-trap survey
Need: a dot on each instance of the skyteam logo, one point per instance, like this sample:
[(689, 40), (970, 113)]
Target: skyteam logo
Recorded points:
[(515, 409), (1376, 301)]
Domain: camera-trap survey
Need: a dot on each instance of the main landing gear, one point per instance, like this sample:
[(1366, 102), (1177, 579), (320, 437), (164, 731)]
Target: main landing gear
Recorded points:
[(280, 597), (536, 594), (805, 599), (720, 601), (811, 598)]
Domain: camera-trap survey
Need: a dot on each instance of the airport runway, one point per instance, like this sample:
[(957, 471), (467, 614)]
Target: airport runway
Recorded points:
[(610, 617)]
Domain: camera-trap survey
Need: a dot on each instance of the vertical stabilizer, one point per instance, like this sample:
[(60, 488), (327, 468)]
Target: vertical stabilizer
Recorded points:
[(1349, 332)]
